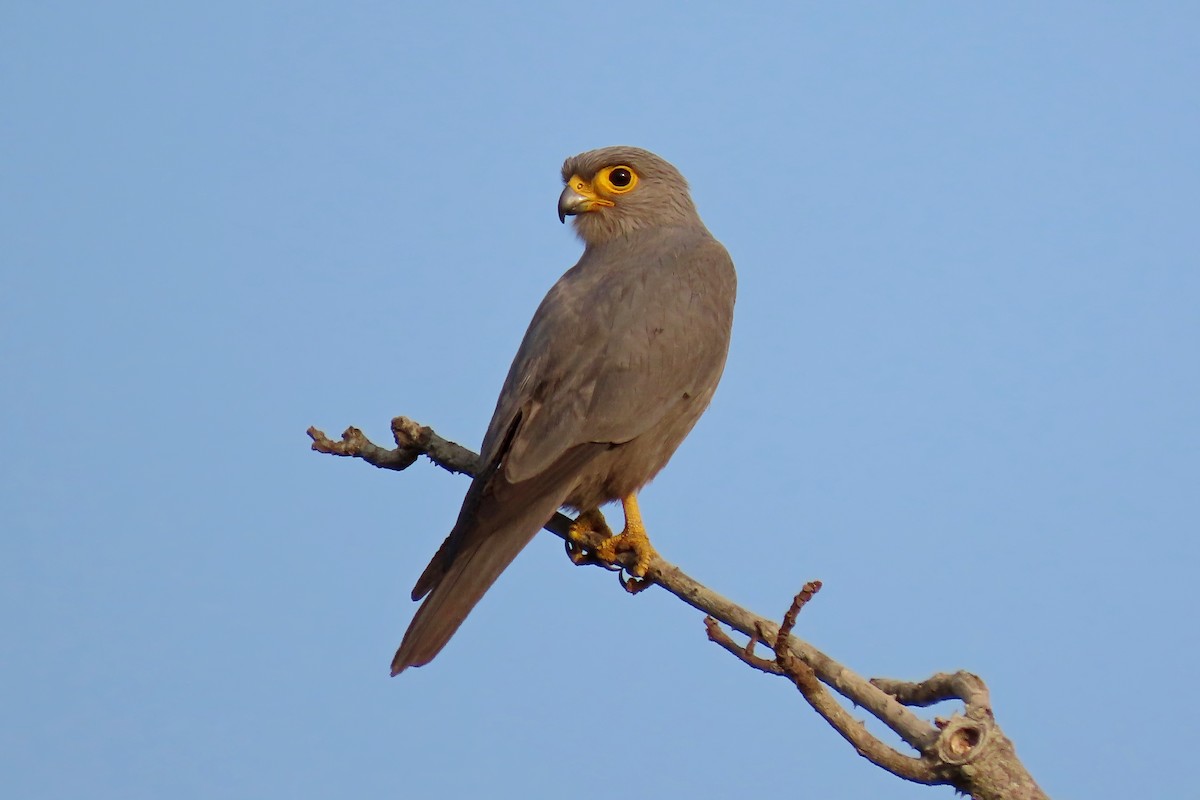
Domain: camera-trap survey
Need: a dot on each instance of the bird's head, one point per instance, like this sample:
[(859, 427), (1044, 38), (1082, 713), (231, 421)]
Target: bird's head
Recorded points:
[(614, 191)]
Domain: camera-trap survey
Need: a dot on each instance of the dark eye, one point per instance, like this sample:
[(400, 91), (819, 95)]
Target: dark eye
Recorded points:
[(620, 177)]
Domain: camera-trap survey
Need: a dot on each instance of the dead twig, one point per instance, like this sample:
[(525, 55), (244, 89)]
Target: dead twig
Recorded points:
[(412, 440)]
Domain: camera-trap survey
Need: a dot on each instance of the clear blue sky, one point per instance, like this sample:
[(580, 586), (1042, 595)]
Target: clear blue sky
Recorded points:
[(962, 391)]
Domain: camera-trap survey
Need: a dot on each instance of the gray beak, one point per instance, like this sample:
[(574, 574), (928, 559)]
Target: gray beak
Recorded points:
[(570, 203)]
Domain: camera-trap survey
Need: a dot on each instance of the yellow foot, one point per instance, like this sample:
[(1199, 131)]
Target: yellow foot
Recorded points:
[(631, 540), (591, 521)]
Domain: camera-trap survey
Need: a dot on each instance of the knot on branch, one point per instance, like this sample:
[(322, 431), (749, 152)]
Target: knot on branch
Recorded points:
[(962, 740)]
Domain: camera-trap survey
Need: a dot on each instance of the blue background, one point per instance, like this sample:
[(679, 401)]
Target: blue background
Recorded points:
[(962, 390)]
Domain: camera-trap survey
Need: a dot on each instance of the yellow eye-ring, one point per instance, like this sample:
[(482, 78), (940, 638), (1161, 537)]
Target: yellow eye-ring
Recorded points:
[(617, 180)]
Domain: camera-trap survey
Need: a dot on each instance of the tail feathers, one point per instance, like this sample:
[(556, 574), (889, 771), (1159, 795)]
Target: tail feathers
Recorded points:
[(466, 580), (436, 569), (497, 521)]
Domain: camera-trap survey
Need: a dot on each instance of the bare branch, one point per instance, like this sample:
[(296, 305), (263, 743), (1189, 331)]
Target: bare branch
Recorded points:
[(912, 729), (919, 770), (745, 653), (446, 454), (942, 686), (412, 440), (967, 751), (355, 443), (798, 603)]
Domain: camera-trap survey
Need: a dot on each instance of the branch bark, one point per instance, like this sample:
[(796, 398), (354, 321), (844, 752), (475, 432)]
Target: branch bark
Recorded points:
[(967, 751)]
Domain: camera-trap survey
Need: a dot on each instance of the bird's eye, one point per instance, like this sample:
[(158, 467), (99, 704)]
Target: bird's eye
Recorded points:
[(617, 180)]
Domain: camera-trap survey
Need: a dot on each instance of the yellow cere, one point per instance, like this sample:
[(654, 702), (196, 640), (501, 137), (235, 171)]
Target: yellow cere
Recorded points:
[(585, 188)]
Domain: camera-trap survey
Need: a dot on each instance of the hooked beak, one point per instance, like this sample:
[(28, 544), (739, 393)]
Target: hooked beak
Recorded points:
[(570, 203), (579, 197)]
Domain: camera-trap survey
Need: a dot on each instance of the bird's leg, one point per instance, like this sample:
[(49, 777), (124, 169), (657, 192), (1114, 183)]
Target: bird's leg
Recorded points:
[(590, 521), (633, 540)]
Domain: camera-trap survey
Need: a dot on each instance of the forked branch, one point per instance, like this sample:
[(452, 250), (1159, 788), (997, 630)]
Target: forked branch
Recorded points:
[(967, 751)]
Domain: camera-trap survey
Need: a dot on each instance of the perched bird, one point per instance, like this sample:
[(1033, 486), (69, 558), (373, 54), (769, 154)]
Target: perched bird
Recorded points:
[(620, 360)]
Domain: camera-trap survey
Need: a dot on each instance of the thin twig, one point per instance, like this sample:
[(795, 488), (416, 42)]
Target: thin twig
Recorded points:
[(798, 603), (744, 653)]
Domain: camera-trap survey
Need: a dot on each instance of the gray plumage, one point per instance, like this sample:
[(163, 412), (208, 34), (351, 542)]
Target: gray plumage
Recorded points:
[(619, 362)]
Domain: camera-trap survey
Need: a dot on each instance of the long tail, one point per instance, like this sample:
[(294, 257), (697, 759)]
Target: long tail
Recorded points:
[(470, 575), (485, 540)]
